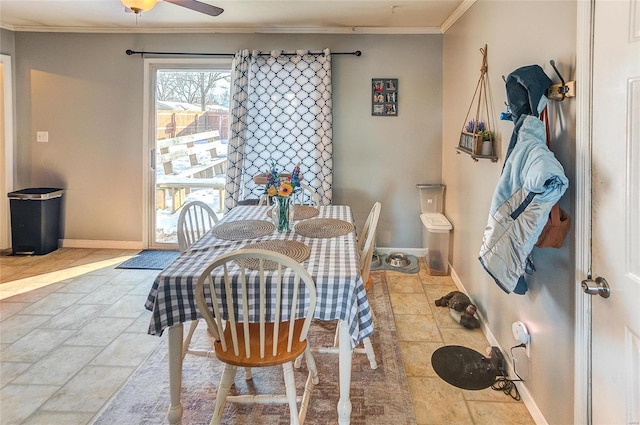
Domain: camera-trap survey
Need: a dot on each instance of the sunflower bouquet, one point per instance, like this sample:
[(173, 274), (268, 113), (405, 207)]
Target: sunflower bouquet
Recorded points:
[(279, 188), (282, 184)]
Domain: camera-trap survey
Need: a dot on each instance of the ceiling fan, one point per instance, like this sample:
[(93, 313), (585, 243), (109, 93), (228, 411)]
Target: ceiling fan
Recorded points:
[(138, 6)]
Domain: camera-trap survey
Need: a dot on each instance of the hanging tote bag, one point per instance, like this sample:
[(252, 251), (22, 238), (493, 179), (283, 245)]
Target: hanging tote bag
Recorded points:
[(557, 226), (555, 230)]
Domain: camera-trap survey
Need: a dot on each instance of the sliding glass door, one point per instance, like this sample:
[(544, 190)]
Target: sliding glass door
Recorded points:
[(188, 134)]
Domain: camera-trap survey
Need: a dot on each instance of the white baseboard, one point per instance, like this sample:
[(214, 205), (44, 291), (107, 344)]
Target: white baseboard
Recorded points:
[(527, 399), (418, 252), (98, 244)]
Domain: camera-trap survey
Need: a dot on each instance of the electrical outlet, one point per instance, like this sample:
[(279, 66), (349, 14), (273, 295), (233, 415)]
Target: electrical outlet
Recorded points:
[(522, 335), (42, 136), (521, 364)]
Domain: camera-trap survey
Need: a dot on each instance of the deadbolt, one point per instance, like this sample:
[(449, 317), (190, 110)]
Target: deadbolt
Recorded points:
[(599, 287)]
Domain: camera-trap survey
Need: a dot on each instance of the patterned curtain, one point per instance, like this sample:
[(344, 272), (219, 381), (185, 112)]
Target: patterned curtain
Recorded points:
[(280, 112)]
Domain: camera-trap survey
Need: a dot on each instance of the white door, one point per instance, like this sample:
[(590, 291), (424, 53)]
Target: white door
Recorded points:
[(616, 212)]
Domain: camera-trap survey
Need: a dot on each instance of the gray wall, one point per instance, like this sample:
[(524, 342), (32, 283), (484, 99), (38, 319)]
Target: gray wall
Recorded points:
[(7, 40), (512, 32), (88, 94)]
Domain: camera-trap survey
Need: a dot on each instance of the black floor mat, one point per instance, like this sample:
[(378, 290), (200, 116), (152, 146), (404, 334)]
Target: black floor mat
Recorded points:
[(150, 259)]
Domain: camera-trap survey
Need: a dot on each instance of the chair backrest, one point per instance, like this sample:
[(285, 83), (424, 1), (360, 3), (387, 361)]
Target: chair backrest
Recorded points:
[(195, 219), (264, 200), (367, 239), (306, 196), (258, 287)]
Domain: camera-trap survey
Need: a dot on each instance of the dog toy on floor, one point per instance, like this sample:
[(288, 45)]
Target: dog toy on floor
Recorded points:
[(460, 308)]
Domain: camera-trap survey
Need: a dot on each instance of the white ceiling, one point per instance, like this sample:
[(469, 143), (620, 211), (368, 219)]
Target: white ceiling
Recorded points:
[(279, 16)]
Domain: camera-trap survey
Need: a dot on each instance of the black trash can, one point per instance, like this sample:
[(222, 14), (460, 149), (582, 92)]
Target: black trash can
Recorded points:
[(35, 220)]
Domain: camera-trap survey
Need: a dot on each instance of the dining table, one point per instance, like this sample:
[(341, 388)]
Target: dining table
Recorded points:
[(331, 259)]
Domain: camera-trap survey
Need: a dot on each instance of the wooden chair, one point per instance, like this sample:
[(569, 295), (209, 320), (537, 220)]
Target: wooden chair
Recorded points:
[(366, 246), (304, 196), (274, 339), (366, 243), (196, 218)]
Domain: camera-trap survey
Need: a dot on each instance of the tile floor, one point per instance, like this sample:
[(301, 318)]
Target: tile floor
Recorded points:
[(73, 329)]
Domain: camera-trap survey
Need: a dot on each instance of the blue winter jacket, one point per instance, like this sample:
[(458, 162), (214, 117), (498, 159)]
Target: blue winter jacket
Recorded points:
[(532, 181)]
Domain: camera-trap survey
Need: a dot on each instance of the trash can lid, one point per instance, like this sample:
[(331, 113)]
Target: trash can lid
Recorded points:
[(436, 222), (36, 193)]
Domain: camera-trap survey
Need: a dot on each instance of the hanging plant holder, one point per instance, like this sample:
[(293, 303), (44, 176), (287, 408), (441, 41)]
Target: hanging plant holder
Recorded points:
[(477, 137)]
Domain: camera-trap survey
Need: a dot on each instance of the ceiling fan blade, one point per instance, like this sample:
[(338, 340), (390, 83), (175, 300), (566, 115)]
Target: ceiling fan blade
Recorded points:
[(198, 6)]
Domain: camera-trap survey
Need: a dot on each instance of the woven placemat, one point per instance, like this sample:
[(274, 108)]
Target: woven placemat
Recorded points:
[(303, 212), (300, 212), (323, 228), (243, 229), (294, 249)]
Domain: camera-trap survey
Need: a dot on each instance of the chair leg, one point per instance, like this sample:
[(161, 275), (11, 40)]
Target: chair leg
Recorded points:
[(306, 396), (311, 364), (247, 374), (187, 340), (368, 349), (290, 385), (226, 380), (373, 316)]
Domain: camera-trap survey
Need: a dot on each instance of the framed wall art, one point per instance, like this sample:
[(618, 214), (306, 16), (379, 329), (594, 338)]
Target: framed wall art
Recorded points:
[(384, 97)]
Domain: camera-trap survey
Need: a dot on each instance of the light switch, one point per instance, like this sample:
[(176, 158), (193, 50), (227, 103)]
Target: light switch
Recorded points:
[(42, 136)]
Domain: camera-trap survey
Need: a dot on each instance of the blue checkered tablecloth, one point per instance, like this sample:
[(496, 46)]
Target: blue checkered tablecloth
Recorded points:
[(333, 264)]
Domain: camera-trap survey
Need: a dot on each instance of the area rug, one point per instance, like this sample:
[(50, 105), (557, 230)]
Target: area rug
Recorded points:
[(150, 259), (378, 397)]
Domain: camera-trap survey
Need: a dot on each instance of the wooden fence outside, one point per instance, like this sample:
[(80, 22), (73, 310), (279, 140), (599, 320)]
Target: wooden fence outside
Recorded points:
[(172, 124)]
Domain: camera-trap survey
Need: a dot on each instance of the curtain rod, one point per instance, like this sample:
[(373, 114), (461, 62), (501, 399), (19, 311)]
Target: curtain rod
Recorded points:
[(230, 55)]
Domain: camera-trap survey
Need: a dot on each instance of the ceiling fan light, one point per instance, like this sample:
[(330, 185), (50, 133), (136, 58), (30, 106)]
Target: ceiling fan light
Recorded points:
[(140, 5)]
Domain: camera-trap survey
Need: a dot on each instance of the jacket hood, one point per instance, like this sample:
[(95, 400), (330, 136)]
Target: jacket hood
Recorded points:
[(526, 91)]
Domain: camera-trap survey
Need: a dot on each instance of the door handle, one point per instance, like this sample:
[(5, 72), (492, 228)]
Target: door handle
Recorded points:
[(597, 287)]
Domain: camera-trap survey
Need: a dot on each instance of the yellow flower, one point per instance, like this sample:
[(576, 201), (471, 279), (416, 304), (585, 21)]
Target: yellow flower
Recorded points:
[(271, 191), (285, 189)]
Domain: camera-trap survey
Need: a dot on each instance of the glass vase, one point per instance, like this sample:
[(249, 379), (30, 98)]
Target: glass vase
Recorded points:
[(282, 213)]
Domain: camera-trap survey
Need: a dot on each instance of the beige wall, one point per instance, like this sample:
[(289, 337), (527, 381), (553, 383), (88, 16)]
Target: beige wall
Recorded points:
[(515, 38), (4, 202), (7, 47), (87, 93)]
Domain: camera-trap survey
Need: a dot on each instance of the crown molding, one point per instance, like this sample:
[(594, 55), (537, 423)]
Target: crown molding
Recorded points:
[(239, 30), (457, 14)]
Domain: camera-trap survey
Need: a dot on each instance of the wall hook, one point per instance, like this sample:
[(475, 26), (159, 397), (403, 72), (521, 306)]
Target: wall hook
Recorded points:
[(562, 90)]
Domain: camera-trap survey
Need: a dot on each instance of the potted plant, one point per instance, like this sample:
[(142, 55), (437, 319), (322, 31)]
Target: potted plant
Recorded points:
[(477, 138), (487, 142)]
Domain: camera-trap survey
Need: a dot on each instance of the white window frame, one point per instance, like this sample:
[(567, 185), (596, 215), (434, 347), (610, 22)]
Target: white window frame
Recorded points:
[(151, 65)]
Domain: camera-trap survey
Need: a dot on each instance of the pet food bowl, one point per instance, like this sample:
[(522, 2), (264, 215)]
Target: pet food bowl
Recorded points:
[(375, 259), (398, 259)]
